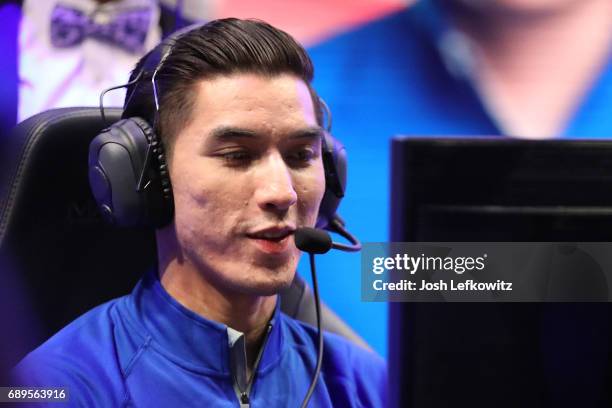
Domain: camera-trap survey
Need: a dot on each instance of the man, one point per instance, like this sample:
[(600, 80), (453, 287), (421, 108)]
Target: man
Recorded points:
[(240, 125)]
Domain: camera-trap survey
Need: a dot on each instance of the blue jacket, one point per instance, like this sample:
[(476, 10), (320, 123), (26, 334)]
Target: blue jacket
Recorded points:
[(146, 350)]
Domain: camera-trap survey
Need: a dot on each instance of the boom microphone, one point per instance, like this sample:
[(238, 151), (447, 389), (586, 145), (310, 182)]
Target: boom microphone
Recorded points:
[(317, 241), (312, 240)]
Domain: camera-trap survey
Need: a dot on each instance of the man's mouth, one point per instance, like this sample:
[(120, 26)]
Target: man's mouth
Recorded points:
[(273, 240)]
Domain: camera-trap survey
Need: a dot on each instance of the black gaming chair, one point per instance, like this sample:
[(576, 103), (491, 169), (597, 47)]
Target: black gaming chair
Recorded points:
[(68, 258)]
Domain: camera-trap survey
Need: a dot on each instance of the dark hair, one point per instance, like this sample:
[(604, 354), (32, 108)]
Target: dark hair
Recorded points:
[(220, 47)]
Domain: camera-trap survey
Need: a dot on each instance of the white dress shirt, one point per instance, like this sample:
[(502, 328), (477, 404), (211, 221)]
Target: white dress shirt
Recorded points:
[(52, 77)]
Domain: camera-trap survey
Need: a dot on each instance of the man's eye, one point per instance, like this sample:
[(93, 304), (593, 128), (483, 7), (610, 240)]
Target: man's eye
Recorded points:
[(236, 158), (303, 155)]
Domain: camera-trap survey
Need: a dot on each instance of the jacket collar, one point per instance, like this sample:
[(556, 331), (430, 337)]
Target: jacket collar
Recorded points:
[(189, 339)]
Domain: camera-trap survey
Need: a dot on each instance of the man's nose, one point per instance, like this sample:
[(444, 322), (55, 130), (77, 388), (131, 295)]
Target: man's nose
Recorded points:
[(274, 185)]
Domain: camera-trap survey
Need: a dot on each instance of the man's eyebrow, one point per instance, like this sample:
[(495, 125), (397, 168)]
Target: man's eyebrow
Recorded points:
[(311, 132), (229, 133)]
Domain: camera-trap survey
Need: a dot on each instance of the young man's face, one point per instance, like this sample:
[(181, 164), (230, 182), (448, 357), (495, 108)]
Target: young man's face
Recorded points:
[(246, 171)]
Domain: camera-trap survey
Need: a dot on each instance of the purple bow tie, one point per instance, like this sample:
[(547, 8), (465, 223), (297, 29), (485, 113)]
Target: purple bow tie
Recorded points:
[(127, 29)]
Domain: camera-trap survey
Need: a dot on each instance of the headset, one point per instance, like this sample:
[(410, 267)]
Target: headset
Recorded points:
[(128, 170)]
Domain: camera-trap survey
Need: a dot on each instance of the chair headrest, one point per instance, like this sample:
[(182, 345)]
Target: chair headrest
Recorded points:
[(49, 223)]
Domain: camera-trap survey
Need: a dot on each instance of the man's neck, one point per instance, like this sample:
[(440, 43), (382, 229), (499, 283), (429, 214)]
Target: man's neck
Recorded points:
[(248, 314), (534, 70)]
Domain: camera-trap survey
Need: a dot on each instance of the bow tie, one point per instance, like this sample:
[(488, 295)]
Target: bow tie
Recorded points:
[(127, 29)]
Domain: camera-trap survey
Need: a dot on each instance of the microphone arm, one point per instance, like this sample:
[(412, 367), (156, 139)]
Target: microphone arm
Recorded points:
[(337, 225), (317, 241)]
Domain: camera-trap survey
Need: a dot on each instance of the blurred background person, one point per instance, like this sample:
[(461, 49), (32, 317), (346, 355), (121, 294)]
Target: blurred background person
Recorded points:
[(523, 68), (70, 50)]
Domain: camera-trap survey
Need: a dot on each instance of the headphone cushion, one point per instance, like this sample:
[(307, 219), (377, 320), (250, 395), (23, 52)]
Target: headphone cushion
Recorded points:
[(117, 157), (335, 165)]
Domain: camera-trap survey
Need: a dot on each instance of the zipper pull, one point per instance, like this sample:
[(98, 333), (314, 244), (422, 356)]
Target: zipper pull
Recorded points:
[(244, 400)]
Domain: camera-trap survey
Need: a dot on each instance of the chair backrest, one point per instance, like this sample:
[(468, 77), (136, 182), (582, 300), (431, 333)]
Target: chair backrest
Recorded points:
[(68, 257)]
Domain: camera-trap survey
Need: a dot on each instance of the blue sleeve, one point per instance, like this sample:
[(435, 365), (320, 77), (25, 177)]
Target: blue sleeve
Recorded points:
[(84, 386), (83, 358), (357, 376)]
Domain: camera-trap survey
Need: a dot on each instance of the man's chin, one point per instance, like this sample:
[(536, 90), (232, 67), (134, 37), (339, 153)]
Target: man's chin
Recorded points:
[(266, 290), (270, 288), (265, 285)]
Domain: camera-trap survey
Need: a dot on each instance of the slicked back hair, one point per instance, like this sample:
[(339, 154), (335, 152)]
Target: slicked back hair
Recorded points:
[(220, 47)]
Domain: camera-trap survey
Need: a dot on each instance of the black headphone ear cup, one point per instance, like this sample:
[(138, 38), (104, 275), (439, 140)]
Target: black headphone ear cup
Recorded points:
[(335, 166), (118, 157)]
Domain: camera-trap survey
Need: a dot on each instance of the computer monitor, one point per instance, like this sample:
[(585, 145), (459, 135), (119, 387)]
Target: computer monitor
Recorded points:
[(500, 354)]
